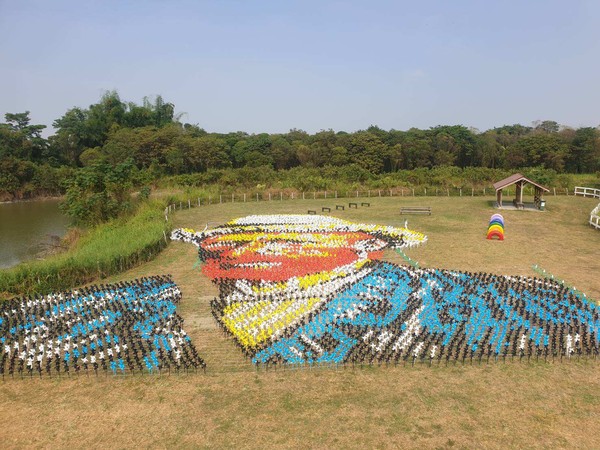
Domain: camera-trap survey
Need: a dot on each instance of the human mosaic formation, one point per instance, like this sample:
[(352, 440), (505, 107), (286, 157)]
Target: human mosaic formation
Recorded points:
[(117, 328), (298, 289)]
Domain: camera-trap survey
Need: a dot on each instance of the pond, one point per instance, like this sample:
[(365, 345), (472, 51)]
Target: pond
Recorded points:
[(28, 229)]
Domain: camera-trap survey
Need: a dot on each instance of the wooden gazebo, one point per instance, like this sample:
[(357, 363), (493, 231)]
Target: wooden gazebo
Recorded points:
[(520, 181)]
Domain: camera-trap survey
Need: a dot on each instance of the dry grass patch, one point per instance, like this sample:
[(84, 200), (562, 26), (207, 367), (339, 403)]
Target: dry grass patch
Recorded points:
[(489, 406)]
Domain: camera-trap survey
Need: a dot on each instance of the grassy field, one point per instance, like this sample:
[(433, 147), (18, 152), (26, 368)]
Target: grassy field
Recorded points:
[(495, 406)]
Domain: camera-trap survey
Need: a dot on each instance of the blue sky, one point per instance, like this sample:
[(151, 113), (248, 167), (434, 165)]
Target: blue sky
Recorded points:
[(268, 66)]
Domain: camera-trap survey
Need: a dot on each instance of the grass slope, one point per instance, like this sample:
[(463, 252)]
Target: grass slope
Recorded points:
[(106, 249), (497, 405)]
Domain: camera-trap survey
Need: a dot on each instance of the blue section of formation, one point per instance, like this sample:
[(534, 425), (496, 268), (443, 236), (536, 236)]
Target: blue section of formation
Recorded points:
[(117, 327), (458, 315)]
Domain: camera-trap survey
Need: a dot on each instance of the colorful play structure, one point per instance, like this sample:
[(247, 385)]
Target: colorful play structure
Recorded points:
[(496, 227)]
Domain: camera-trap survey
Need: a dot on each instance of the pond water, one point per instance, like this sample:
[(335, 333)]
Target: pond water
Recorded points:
[(28, 228)]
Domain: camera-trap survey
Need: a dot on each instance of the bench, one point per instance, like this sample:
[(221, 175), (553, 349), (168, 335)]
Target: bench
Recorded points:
[(365, 204), (352, 205), (312, 211), (415, 210), (340, 207), (326, 208)]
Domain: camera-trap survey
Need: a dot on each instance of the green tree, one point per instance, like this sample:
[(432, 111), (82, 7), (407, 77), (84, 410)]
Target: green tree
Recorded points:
[(457, 144), (71, 137), (282, 153), (205, 153), (20, 139), (547, 150), (584, 154), (368, 151), (416, 149), (98, 193), (491, 149), (79, 129), (546, 126), (339, 156)]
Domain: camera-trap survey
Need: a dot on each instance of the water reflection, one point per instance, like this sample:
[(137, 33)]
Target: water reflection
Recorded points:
[(26, 228)]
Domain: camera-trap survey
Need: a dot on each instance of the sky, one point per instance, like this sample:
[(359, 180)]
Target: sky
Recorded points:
[(270, 66)]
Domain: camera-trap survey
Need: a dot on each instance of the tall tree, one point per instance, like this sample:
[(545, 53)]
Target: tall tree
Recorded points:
[(368, 151), (20, 139), (584, 155)]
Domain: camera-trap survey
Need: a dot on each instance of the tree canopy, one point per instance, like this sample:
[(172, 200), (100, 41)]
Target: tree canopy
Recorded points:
[(151, 138)]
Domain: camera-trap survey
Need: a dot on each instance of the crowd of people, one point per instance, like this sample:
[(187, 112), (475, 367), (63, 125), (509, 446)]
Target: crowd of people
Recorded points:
[(117, 328), (312, 289)]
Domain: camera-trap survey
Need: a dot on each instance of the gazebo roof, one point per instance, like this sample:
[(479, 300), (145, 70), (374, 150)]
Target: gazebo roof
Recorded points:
[(515, 179)]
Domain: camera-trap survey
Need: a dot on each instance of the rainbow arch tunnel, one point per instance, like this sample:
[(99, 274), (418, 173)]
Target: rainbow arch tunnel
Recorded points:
[(496, 227)]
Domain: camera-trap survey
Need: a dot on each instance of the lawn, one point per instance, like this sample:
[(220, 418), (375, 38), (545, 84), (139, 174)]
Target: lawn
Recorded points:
[(513, 404)]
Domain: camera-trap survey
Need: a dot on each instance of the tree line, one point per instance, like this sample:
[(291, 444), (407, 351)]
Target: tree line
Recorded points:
[(113, 145)]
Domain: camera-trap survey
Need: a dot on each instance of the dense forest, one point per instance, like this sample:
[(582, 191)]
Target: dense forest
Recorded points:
[(101, 152)]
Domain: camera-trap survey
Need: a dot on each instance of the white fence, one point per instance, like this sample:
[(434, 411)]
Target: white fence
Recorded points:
[(595, 217), (587, 192), (595, 214), (316, 195)]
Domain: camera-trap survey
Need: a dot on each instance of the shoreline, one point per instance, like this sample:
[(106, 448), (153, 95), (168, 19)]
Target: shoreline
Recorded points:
[(32, 199)]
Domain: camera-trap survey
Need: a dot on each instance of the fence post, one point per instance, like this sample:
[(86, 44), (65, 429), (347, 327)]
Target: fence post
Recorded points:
[(280, 195), (472, 192), (244, 197), (413, 192), (425, 189), (460, 192), (302, 195), (448, 192), (180, 206), (379, 193), (189, 204), (198, 201), (269, 196), (220, 198), (356, 194), (257, 196), (232, 198), (483, 191)]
